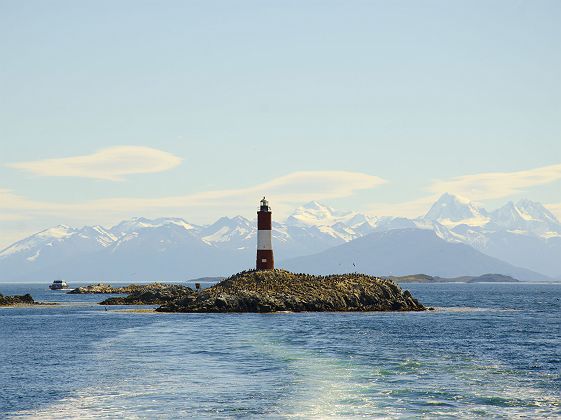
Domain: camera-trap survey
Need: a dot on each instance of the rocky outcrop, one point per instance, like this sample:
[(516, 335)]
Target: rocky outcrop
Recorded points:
[(279, 290), (152, 294), (103, 288), (16, 300)]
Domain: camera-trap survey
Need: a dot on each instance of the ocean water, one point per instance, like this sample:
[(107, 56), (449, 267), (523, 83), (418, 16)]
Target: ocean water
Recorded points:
[(487, 351)]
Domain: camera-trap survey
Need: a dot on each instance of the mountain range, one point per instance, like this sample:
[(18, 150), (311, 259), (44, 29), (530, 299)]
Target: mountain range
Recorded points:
[(455, 238)]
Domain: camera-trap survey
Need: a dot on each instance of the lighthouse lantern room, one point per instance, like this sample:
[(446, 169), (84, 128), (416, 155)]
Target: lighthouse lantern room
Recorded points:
[(265, 259)]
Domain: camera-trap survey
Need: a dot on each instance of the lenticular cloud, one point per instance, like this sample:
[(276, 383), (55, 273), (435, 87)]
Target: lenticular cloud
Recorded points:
[(111, 164)]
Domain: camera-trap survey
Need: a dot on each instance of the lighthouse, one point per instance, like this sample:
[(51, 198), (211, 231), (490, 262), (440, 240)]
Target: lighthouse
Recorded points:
[(265, 260)]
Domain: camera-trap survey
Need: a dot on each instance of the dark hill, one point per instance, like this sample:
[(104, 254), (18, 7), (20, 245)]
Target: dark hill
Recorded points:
[(423, 278), (400, 252)]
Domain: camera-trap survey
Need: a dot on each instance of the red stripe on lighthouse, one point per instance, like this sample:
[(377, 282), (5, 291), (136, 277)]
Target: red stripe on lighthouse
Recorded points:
[(264, 220), (265, 259)]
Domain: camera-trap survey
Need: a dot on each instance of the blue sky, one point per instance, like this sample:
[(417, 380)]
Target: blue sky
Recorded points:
[(110, 110)]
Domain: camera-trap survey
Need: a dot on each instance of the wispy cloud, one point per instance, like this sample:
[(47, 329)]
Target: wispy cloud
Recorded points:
[(410, 209), (476, 187), (111, 164), (284, 192), (12, 217), (555, 209), (492, 185)]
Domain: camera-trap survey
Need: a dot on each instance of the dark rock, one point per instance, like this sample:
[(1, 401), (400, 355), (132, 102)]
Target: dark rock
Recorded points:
[(103, 288), (151, 294), (16, 300), (279, 290)]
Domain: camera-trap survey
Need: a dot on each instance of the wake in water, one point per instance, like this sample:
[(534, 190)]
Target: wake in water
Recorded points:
[(301, 366)]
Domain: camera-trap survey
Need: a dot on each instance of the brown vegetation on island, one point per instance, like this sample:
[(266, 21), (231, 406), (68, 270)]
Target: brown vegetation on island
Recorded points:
[(280, 290)]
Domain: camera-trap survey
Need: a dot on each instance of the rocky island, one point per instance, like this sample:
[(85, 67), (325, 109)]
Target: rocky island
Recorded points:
[(17, 300), (107, 289), (152, 294), (138, 294), (280, 290)]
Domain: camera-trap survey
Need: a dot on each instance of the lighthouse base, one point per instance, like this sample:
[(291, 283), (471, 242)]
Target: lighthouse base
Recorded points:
[(265, 259)]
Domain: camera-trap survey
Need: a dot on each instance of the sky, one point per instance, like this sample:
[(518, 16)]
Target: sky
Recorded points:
[(196, 109)]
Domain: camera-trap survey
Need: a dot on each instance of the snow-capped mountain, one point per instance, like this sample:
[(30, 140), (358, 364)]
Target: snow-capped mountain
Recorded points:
[(51, 247), (313, 214), (317, 214), (524, 234), (527, 217), (451, 210), (233, 231), (139, 223), (344, 226), (59, 242), (524, 217)]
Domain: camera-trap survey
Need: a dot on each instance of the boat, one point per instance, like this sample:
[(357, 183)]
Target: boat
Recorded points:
[(58, 285)]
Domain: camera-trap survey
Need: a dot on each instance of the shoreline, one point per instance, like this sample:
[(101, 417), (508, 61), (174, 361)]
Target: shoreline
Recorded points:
[(30, 305)]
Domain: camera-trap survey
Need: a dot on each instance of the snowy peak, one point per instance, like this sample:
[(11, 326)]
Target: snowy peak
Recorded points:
[(342, 226), (528, 217), (361, 221), (507, 216), (45, 237), (139, 223), (312, 214), (524, 217), (230, 223), (59, 240), (97, 233), (317, 214), (226, 229), (56, 232), (536, 211), (451, 210)]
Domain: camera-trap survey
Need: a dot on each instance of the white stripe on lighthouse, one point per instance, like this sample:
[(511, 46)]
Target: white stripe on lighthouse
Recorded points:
[(264, 241)]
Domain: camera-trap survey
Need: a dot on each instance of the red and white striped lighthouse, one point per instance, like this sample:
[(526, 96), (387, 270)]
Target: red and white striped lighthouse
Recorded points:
[(265, 260)]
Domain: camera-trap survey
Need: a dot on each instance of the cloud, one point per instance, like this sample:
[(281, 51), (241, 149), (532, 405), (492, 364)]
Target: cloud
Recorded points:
[(555, 209), (410, 209), (492, 185), (111, 164), (475, 187), (12, 217), (284, 192)]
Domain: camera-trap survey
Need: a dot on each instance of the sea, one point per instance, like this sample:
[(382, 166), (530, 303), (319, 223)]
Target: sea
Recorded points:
[(485, 351)]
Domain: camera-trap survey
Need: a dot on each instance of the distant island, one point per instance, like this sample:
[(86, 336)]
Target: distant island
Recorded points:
[(424, 278)]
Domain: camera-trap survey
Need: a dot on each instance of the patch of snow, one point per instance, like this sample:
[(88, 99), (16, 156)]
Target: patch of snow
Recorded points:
[(547, 235), (478, 220), (34, 256), (221, 235)]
